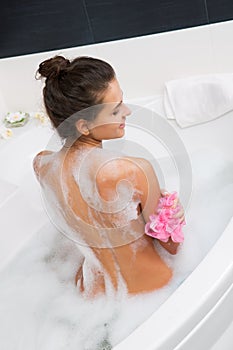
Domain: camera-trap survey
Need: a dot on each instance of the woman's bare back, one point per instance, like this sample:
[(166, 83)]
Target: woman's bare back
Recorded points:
[(91, 195)]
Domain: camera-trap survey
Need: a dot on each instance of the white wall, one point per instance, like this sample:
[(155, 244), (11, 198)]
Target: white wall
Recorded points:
[(142, 64)]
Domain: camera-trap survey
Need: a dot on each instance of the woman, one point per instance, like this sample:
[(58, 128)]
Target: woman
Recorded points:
[(102, 199)]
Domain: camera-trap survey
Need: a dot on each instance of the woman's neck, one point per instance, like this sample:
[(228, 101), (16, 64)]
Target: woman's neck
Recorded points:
[(83, 142)]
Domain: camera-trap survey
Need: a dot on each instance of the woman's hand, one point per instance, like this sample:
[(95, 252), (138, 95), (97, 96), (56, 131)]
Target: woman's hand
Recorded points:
[(181, 214)]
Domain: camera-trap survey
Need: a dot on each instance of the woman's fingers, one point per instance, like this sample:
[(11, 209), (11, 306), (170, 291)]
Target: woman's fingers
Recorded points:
[(180, 214), (175, 202), (164, 192)]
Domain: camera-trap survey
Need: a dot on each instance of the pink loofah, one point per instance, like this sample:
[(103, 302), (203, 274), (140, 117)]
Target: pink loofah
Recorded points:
[(162, 225)]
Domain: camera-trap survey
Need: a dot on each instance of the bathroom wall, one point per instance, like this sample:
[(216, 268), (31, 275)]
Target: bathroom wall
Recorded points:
[(40, 25), (143, 63)]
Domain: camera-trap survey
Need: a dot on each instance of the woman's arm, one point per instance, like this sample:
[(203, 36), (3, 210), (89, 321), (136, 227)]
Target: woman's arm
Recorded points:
[(148, 185), (140, 173), (37, 163)]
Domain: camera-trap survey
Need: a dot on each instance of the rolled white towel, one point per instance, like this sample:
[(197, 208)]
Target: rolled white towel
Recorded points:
[(198, 99)]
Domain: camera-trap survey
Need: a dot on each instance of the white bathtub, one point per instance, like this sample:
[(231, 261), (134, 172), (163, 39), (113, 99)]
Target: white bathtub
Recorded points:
[(199, 311)]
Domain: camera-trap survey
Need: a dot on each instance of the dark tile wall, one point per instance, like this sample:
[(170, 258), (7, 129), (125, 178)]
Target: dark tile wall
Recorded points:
[(220, 10), (31, 26), (113, 19)]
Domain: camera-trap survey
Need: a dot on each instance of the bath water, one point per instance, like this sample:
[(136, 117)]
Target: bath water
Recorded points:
[(40, 307)]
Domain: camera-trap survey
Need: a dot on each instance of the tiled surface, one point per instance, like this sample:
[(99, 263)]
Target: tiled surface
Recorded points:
[(142, 64), (219, 10), (39, 25), (117, 19)]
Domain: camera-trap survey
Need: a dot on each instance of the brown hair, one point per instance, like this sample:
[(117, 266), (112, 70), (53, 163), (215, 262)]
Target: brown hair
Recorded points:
[(72, 86)]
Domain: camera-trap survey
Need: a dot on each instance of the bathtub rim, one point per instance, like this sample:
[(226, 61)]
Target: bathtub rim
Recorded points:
[(179, 314), (171, 329)]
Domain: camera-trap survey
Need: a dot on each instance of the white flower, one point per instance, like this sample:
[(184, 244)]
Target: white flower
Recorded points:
[(5, 133), (41, 117), (14, 118)]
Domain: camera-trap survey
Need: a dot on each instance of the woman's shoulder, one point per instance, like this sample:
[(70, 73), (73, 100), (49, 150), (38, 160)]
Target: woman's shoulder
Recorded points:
[(130, 173), (142, 162), (122, 168), (37, 161)]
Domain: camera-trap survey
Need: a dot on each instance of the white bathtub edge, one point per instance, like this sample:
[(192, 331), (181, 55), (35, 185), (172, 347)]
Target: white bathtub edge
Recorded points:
[(189, 304)]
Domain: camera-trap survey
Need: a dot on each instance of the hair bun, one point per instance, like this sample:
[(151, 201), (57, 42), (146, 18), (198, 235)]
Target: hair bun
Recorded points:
[(52, 67)]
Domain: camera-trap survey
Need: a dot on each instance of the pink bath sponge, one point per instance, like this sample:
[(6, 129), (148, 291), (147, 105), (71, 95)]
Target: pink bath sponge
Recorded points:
[(162, 225)]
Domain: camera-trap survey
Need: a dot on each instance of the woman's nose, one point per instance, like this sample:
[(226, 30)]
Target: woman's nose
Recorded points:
[(127, 111)]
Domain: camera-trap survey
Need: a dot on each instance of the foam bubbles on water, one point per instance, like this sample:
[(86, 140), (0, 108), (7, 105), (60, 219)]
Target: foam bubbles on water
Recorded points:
[(40, 306)]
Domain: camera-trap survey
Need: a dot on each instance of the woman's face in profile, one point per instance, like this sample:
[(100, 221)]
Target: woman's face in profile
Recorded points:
[(110, 121)]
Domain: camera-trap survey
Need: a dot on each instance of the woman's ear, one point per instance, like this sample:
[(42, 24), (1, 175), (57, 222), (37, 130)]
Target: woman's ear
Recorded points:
[(82, 127)]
